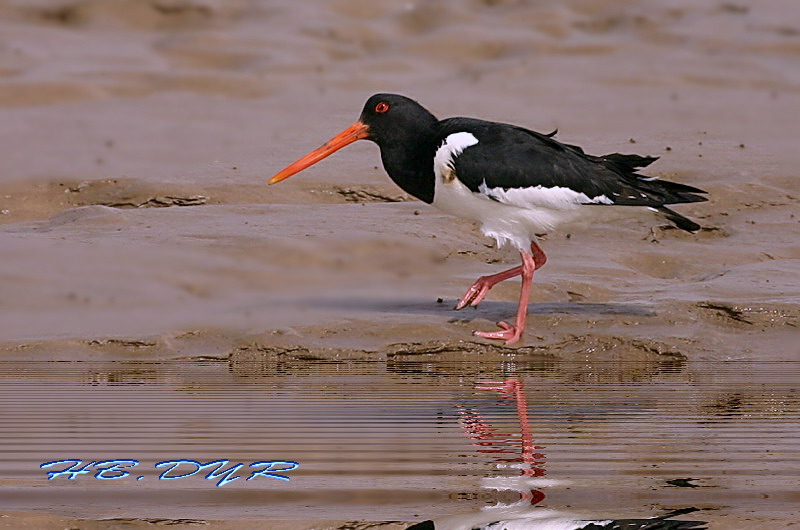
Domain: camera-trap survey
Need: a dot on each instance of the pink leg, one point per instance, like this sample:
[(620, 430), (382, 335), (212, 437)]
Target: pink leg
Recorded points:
[(538, 256), (512, 333), (478, 291), (489, 436), (534, 462)]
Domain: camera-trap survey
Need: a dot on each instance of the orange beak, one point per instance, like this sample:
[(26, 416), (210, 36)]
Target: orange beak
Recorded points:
[(357, 131)]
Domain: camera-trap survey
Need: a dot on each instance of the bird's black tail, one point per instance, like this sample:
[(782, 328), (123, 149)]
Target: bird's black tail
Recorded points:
[(628, 163), (670, 192), (664, 522), (684, 223), (673, 192)]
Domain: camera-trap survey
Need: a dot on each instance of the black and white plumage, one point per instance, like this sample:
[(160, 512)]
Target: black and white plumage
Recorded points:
[(663, 522), (514, 183), (539, 183)]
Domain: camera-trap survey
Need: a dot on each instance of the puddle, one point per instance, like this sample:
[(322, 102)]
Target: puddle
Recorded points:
[(462, 443)]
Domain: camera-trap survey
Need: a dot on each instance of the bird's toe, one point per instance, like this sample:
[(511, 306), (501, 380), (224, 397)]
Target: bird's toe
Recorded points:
[(510, 334)]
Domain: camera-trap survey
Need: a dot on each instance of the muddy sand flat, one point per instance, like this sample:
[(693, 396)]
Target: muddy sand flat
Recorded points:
[(158, 301)]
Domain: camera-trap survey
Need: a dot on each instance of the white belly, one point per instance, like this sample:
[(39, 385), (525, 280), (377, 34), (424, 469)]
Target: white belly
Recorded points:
[(503, 222)]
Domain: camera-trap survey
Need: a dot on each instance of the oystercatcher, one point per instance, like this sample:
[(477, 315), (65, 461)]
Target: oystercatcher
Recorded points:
[(550, 520), (514, 183)]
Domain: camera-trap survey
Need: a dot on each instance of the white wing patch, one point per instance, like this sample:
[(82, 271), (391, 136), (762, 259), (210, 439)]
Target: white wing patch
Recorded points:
[(543, 524), (452, 146), (556, 197)]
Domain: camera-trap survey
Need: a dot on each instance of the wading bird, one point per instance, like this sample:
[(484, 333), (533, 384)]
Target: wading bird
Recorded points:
[(552, 520), (514, 183)]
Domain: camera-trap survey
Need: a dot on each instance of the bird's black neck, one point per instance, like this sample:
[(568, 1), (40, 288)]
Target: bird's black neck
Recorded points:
[(410, 165)]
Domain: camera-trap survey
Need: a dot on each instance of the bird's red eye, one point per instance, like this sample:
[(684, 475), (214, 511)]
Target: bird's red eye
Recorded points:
[(381, 107)]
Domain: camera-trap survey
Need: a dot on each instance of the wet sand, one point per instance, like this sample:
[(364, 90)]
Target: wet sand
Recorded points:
[(136, 224)]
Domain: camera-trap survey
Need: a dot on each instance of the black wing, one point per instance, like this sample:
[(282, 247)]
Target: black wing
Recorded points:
[(507, 156)]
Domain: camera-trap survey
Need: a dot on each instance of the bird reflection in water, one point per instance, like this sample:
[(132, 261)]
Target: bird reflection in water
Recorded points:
[(490, 440), (524, 514)]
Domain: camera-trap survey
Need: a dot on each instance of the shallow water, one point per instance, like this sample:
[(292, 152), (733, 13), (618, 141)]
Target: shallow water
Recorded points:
[(407, 440)]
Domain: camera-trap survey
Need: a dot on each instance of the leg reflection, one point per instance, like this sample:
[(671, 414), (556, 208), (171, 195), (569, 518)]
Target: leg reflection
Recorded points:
[(489, 439)]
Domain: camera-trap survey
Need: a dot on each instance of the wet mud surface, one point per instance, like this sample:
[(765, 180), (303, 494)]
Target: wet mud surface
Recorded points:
[(152, 285)]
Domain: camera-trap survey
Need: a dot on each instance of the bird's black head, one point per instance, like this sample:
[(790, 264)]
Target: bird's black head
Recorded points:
[(392, 118), (399, 125)]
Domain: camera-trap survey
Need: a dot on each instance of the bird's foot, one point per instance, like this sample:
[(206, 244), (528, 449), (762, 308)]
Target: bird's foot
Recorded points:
[(510, 334), (475, 294), (480, 288)]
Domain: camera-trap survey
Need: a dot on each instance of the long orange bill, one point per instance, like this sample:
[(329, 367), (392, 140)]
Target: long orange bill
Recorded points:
[(357, 131)]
